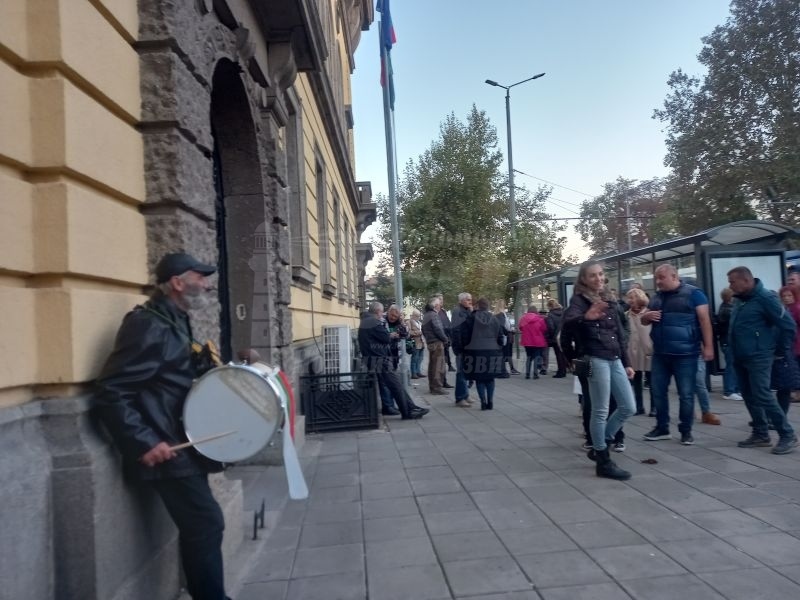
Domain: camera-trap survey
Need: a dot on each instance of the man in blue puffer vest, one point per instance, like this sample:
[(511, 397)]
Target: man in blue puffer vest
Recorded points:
[(760, 332), (681, 321)]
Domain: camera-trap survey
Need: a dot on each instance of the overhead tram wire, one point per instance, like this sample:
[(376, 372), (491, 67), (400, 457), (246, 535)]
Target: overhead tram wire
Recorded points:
[(561, 206), (557, 184)]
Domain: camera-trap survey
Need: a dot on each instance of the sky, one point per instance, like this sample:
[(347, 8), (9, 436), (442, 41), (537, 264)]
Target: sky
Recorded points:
[(585, 123)]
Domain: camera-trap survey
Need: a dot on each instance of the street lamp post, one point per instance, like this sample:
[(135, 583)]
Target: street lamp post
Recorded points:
[(512, 206)]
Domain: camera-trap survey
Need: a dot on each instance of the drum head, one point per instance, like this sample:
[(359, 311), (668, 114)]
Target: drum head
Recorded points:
[(239, 398)]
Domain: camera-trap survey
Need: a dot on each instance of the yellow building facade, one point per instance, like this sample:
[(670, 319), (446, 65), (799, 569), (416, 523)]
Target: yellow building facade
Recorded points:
[(131, 129)]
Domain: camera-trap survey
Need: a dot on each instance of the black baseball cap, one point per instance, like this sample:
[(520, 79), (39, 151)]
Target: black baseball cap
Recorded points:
[(178, 263)]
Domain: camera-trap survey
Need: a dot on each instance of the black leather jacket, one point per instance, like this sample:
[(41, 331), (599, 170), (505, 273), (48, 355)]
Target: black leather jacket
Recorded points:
[(143, 385), (374, 342), (604, 338)]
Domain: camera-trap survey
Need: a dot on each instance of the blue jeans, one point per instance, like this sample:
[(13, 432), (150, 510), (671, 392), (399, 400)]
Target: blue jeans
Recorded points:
[(730, 383), (700, 386), (608, 376), (754, 381), (416, 361), (387, 402), (485, 390), (534, 358), (462, 391), (684, 368)]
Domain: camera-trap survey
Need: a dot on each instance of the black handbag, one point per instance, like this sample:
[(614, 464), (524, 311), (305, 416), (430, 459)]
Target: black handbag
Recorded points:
[(582, 367), (785, 373)]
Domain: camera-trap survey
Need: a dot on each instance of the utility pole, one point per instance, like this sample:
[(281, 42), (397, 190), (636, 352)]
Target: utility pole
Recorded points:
[(628, 220)]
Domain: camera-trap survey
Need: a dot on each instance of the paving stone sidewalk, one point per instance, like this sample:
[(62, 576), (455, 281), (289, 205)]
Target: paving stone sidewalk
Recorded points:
[(503, 504)]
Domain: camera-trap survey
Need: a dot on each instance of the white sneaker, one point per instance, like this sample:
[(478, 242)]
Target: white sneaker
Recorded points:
[(733, 396)]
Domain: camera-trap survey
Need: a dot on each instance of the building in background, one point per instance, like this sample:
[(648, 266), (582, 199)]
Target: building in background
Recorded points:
[(129, 129)]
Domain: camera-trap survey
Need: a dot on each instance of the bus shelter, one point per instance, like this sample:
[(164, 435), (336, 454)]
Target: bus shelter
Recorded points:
[(702, 259)]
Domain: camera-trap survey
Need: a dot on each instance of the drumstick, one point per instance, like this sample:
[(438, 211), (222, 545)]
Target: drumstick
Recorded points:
[(201, 440)]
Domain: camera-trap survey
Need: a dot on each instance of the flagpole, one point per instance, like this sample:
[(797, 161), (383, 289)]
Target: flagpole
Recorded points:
[(391, 168)]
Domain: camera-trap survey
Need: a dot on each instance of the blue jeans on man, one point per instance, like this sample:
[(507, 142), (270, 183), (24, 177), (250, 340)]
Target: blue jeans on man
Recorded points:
[(416, 362), (684, 369), (387, 402), (754, 382), (730, 383), (700, 386), (462, 388)]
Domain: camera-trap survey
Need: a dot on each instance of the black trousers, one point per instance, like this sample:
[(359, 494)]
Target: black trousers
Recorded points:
[(561, 360), (200, 524), (391, 380)]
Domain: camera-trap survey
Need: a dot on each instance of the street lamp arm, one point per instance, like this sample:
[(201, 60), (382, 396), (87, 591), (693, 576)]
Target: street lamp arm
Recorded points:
[(525, 80)]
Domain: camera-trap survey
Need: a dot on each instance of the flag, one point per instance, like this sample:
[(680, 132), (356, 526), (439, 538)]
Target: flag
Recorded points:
[(388, 39)]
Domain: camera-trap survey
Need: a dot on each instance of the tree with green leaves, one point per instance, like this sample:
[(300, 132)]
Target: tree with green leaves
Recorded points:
[(627, 212), (380, 288), (733, 135), (454, 221)]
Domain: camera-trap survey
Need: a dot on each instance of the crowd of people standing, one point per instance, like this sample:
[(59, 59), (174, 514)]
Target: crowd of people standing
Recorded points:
[(619, 348)]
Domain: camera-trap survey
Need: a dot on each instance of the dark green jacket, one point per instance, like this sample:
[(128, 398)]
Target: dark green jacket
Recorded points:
[(760, 326)]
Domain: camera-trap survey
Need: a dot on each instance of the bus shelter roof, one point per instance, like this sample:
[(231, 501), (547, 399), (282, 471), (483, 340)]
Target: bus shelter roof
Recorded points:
[(740, 232)]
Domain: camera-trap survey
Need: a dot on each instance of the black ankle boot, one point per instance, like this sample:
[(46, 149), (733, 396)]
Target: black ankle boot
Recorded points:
[(484, 404), (606, 468), (489, 404)]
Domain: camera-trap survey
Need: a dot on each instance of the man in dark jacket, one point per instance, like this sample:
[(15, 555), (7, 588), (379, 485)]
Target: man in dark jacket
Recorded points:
[(435, 338), (140, 395), (760, 332), (460, 314), (375, 342), (448, 330), (681, 321)]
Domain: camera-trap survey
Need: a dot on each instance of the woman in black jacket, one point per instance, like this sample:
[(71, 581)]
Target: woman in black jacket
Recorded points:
[(482, 339), (592, 328)]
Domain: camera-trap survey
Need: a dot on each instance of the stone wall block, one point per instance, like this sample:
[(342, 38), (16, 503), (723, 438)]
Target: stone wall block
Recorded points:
[(178, 172), (280, 203), (173, 229), (283, 283), (201, 40), (135, 514), (26, 567), (167, 19), (170, 93), (282, 325), (281, 239), (274, 150)]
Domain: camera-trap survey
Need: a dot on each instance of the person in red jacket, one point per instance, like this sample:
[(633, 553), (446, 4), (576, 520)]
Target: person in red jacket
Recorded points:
[(534, 338)]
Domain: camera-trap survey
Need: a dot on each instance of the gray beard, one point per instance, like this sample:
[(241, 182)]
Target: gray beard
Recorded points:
[(197, 301)]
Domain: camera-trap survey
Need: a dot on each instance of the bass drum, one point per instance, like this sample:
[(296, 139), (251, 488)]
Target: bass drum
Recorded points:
[(244, 400)]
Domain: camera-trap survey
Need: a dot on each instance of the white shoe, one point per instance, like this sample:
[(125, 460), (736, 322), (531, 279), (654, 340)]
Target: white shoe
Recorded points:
[(733, 396)]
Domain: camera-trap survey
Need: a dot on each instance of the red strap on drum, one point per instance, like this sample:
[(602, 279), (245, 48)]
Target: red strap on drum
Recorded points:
[(290, 392)]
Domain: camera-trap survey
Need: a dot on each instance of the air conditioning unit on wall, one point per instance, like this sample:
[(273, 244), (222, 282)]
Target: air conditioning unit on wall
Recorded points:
[(337, 354)]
